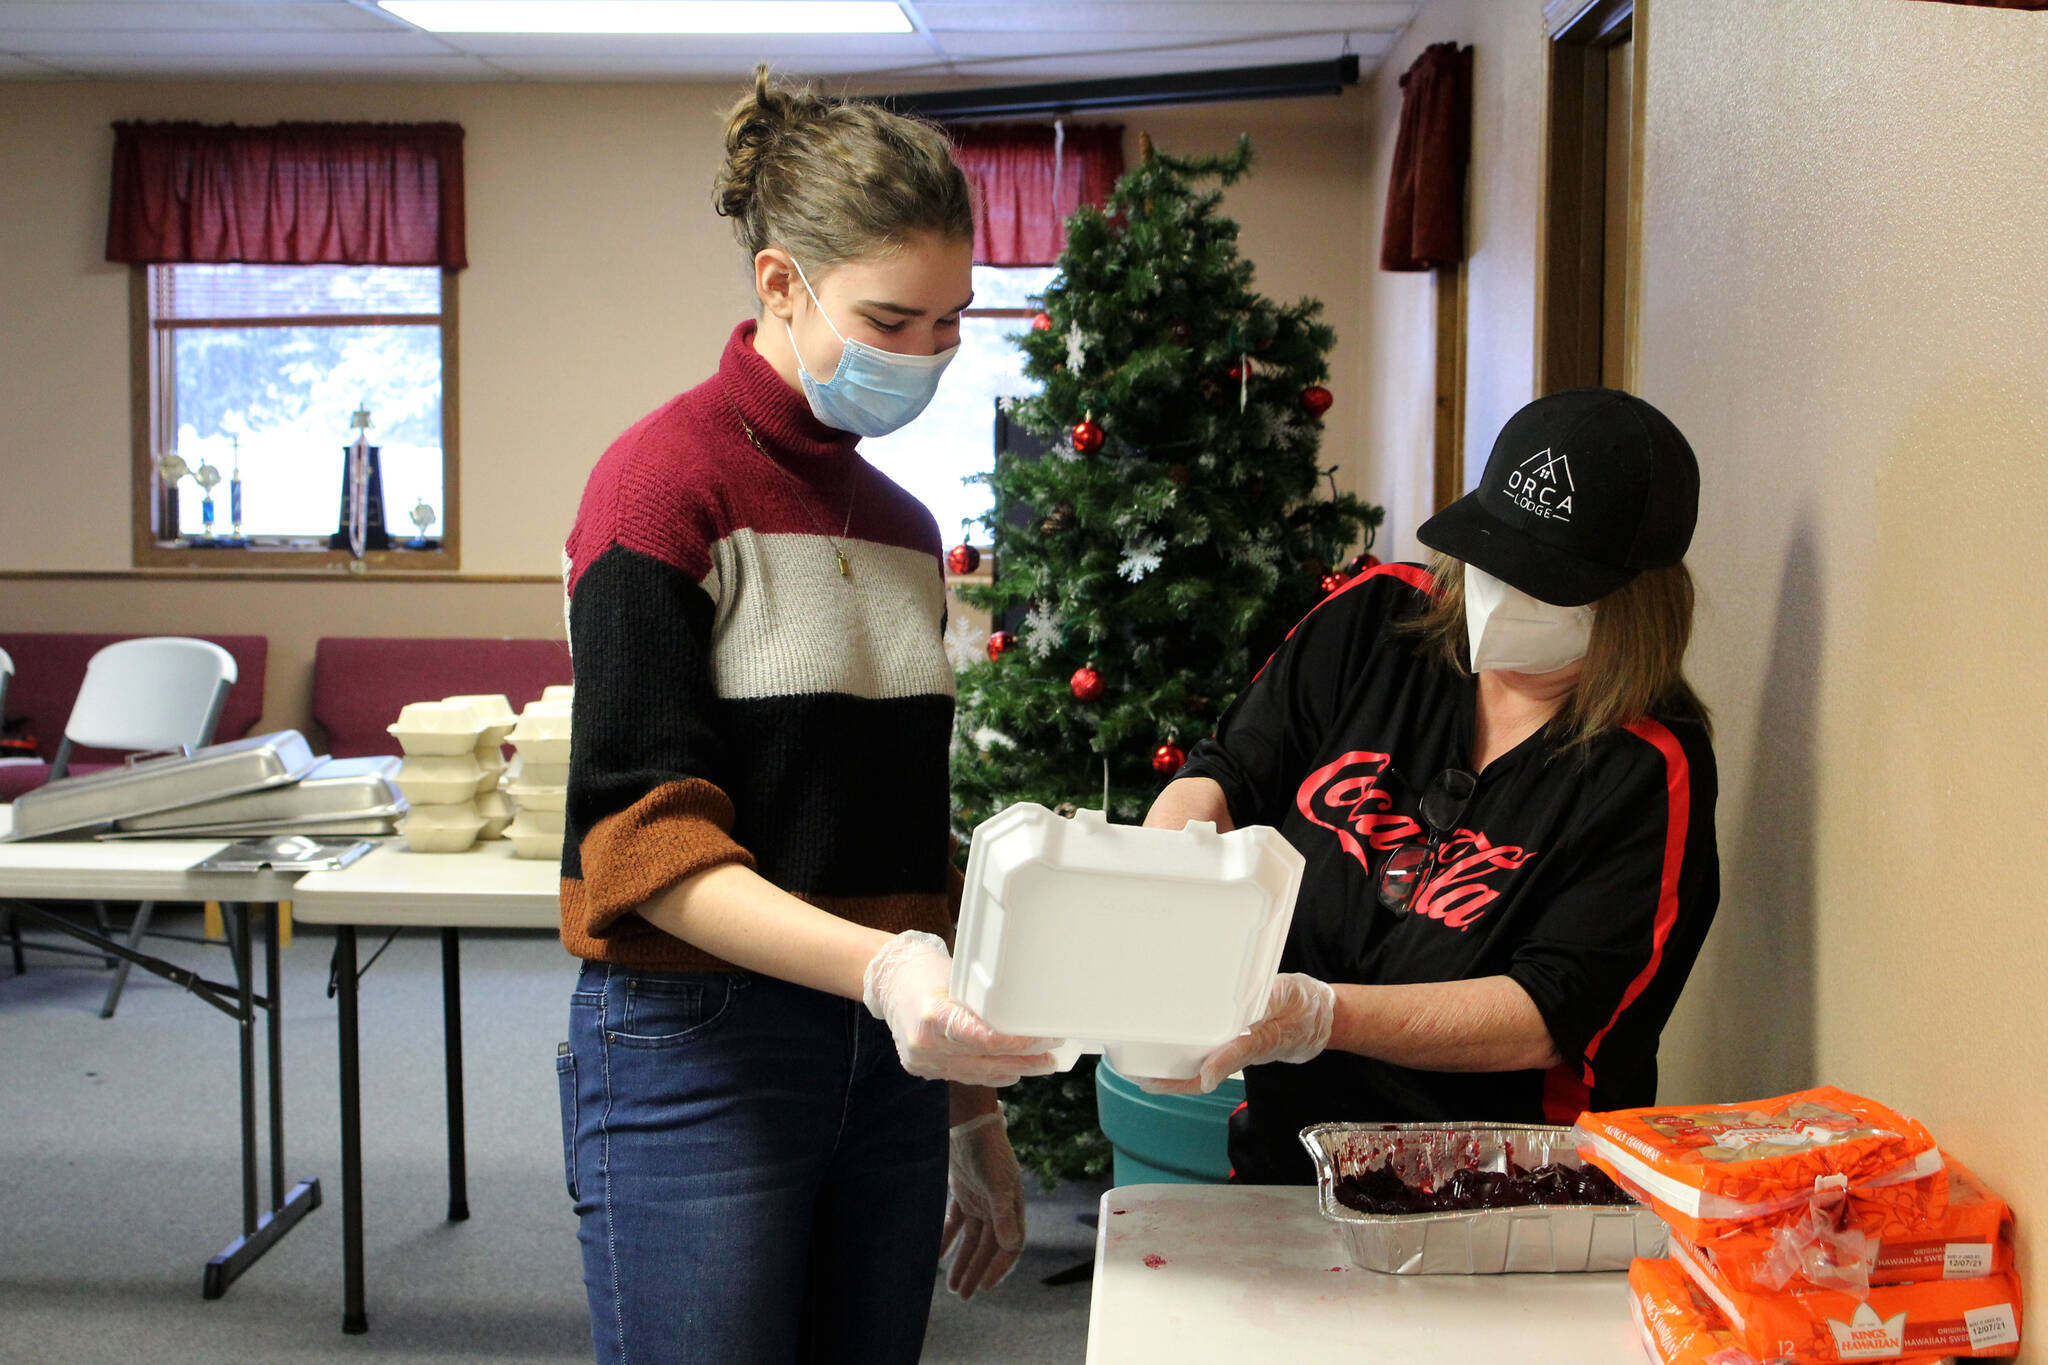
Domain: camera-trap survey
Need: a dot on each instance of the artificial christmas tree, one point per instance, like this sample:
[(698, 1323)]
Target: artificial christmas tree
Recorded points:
[(1180, 529)]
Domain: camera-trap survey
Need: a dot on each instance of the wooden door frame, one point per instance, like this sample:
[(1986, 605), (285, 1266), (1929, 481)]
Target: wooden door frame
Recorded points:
[(1571, 187)]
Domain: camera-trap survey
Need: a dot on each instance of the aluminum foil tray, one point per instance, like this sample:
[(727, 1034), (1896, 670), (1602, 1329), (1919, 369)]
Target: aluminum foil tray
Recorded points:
[(155, 784), (337, 789), (1539, 1238)]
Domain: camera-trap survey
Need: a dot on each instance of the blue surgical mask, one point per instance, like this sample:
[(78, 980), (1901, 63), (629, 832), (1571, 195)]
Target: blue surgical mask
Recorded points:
[(873, 392)]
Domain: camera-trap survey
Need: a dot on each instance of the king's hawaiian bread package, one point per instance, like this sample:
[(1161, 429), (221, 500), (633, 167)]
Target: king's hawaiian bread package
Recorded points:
[(1834, 1246), (1681, 1326), (1713, 1169), (1978, 1317)]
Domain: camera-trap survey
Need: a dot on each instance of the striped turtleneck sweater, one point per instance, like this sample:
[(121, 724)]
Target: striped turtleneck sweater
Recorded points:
[(738, 700)]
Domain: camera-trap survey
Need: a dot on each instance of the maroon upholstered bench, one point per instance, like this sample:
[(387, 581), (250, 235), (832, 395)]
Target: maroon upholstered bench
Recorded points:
[(49, 667), (360, 684)]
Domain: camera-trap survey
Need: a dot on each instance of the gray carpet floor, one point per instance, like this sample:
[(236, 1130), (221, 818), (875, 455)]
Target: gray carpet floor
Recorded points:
[(120, 1176)]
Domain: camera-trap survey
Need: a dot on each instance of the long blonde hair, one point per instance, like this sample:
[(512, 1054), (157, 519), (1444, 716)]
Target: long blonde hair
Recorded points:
[(835, 180), (1635, 661)]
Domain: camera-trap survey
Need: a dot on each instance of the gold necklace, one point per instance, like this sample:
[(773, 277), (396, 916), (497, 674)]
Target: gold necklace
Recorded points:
[(845, 569)]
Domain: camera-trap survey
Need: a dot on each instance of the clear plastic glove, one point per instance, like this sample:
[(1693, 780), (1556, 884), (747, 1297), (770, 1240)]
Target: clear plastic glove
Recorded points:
[(937, 1037), (985, 1215), (1296, 1027)]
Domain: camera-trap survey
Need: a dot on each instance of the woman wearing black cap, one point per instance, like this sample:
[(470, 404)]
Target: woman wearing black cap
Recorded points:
[(1504, 789)]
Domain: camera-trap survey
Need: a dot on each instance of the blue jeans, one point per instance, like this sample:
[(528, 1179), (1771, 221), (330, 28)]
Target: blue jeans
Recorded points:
[(755, 1176)]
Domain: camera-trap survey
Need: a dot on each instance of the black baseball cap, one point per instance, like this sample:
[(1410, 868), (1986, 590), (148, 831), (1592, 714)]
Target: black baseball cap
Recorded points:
[(1585, 489)]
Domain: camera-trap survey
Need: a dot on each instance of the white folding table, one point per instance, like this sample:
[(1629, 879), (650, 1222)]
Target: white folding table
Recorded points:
[(1229, 1273), (160, 870), (393, 887)]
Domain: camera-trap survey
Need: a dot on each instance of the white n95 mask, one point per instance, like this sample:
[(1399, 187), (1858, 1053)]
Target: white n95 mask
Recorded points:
[(1508, 629), (873, 392)]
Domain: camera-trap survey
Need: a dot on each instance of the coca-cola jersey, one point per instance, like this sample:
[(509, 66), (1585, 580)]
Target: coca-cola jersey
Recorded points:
[(1588, 876)]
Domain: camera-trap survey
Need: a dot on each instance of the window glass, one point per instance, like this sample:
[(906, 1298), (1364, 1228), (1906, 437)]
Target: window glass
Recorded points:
[(275, 397), (955, 437)]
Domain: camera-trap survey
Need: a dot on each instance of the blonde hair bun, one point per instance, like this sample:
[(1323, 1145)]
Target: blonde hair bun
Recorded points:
[(833, 180)]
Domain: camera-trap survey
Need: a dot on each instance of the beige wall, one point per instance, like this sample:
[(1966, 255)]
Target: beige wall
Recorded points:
[(1845, 307), (601, 284)]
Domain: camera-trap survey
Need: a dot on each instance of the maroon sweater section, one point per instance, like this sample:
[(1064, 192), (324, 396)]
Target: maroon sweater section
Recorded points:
[(738, 702)]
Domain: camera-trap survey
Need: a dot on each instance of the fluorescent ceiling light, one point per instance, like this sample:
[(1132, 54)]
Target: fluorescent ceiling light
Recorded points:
[(652, 16)]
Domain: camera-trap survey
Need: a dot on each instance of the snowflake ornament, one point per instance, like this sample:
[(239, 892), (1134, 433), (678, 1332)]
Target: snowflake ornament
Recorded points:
[(1077, 347), (1041, 631), (1140, 559), (965, 642)]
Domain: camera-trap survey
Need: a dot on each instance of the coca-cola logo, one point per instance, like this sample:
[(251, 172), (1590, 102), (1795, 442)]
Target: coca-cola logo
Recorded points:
[(1345, 796)]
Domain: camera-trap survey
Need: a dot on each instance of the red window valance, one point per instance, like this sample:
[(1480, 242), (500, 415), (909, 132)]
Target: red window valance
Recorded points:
[(1425, 225), (288, 194), (1028, 177)]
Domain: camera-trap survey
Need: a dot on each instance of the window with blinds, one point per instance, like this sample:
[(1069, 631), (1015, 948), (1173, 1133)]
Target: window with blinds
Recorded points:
[(256, 372)]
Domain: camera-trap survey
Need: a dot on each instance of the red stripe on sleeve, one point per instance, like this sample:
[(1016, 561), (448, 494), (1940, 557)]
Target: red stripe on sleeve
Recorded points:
[(1565, 1096), (1414, 575), (1677, 815)]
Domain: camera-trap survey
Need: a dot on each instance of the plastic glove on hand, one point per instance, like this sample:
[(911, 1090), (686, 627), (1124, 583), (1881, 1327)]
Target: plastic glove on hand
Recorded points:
[(1296, 1026), (937, 1037), (985, 1213)]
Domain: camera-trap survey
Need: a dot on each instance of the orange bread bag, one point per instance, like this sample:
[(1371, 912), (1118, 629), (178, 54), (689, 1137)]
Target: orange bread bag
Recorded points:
[(1972, 1238), (1712, 1168), (1979, 1317), (1681, 1326)]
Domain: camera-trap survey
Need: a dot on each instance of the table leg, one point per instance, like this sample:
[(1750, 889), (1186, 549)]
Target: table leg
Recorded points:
[(353, 1318), (245, 1024), (273, 984), (451, 1029), (260, 1231)]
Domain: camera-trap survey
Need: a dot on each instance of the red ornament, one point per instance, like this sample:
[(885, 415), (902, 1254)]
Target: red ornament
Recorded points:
[(1087, 436), (1167, 758), (1041, 322), (1361, 563), (999, 644), (963, 558), (1317, 400), (1333, 580), (1086, 683), (1234, 374)]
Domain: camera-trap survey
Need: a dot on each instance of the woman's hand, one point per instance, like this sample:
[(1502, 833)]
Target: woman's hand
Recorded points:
[(1296, 1027), (937, 1037), (985, 1214)]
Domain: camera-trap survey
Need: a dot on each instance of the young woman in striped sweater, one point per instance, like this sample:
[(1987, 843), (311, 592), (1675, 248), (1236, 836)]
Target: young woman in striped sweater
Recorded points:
[(755, 1109)]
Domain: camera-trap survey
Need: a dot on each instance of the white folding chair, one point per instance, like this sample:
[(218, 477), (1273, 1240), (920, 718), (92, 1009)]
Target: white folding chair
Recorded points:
[(6, 677), (156, 694)]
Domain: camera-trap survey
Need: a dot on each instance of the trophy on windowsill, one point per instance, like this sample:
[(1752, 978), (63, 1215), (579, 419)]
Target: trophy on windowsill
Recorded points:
[(362, 494), (421, 516), (208, 478)]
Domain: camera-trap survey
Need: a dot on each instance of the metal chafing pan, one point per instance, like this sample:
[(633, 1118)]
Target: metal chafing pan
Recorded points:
[(336, 790), (156, 784), (1542, 1238)]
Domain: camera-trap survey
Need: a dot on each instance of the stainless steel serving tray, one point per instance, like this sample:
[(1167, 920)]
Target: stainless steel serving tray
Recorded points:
[(156, 784), (1544, 1238), (336, 789)]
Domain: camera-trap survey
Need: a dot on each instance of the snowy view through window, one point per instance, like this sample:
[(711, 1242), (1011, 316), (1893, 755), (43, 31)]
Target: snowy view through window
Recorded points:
[(278, 398), (955, 437)]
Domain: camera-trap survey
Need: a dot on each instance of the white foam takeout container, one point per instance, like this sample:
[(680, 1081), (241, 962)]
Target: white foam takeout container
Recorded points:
[(437, 728), (561, 692), (443, 779), (493, 712), (524, 772), (531, 842), (1151, 946), (542, 735), (448, 828), (495, 809)]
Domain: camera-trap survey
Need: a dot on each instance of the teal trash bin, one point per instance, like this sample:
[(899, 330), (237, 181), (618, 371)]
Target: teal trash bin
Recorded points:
[(1166, 1139)]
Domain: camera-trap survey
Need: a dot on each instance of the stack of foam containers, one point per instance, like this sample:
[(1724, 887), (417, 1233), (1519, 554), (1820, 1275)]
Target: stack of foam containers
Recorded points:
[(448, 746), (538, 780), (494, 710)]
